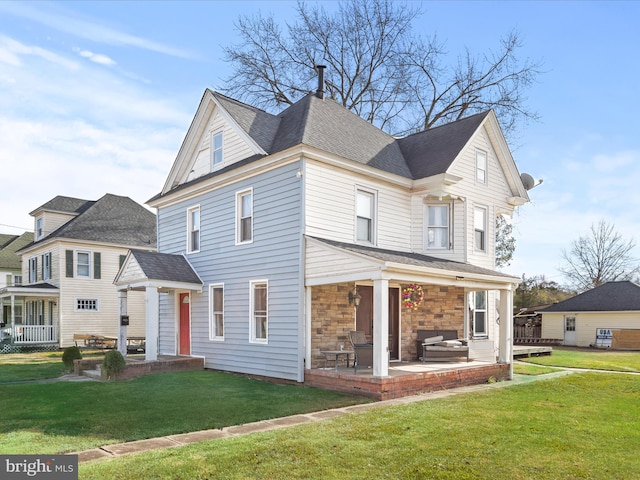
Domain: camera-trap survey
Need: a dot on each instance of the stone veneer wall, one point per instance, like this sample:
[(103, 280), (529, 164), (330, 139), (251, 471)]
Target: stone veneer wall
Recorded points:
[(442, 309), (332, 317), (331, 320)]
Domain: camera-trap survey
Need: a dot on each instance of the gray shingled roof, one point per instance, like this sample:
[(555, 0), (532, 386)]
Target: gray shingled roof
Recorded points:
[(8, 257), (64, 204), (415, 259), (609, 297), (165, 266), (431, 152), (111, 219)]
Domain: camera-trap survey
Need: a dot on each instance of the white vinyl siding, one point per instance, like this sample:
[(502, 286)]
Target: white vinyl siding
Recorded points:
[(330, 200), (234, 148)]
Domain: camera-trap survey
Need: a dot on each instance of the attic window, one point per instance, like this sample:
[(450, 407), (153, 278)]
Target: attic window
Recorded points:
[(39, 228), (216, 150), (481, 167)]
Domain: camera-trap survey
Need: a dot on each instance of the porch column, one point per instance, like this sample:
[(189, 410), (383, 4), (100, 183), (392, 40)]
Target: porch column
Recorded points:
[(381, 328), (122, 329), (151, 323), (505, 353)]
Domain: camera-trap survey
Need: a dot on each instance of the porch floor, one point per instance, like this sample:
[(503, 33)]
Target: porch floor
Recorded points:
[(406, 378)]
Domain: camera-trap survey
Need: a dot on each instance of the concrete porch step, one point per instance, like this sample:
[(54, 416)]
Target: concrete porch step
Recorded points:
[(96, 373)]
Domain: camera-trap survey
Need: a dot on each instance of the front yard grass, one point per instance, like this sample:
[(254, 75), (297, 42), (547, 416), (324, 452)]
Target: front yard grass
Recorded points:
[(63, 417), (579, 426), (18, 367), (592, 359)]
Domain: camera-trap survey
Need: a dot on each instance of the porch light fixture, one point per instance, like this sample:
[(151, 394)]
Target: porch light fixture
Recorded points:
[(354, 297)]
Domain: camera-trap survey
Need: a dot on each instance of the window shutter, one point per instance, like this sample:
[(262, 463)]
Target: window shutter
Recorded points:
[(96, 265), (69, 255)]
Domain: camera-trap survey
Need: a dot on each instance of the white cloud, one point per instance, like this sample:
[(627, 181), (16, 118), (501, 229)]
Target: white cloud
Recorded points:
[(96, 57), (54, 16), (11, 51)]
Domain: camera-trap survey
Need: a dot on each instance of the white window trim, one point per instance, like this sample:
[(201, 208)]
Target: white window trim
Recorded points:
[(190, 211), (252, 319), (472, 300), (212, 313), (374, 215), (39, 228), (33, 269), (426, 226), (239, 196), (48, 269), (77, 263), (82, 299), (479, 154), (217, 166), (486, 229)]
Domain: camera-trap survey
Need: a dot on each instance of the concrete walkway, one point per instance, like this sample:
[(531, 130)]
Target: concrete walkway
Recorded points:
[(116, 450)]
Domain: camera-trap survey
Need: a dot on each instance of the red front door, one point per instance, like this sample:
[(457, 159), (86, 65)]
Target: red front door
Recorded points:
[(185, 330)]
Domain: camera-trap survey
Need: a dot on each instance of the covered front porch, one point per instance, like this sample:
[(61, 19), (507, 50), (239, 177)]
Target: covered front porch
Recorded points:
[(29, 316), (451, 296)]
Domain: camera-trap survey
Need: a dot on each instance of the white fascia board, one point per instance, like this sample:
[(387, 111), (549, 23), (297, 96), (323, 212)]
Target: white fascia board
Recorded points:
[(160, 284), (424, 185), (463, 276), (29, 292)]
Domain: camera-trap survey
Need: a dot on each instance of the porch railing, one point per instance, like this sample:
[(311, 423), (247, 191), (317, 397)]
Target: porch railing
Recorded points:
[(33, 334)]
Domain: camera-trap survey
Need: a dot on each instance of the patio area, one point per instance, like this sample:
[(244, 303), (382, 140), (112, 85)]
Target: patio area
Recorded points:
[(406, 378)]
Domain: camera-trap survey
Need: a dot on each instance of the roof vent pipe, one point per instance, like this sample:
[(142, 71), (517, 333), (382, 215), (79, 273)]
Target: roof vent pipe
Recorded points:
[(320, 90)]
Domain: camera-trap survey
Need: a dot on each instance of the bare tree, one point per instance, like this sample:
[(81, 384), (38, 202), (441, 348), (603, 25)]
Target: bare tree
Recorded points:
[(505, 242), (377, 67), (602, 256)]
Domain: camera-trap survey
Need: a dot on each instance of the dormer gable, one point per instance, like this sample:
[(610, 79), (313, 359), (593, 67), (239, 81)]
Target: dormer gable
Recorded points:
[(223, 132), (56, 213)]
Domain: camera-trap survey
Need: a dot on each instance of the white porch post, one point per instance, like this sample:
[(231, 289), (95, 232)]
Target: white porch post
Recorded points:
[(505, 354), (151, 323), (122, 329), (381, 328)]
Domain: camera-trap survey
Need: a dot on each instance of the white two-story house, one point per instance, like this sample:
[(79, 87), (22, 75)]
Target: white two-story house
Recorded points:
[(286, 218), (68, 270)]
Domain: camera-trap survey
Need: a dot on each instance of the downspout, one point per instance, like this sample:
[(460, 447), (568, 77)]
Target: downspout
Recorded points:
[(304, 310)]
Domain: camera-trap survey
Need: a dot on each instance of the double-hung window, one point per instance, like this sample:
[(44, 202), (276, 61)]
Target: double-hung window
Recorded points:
[(480, 228), (244, 216), (437, 227), (365, 215), (479, 309), (46, 266), (33, 270), (83, 264), (258, 301), (216, 312), (216, 150), (39, 228), (193, 229), (481, 167)]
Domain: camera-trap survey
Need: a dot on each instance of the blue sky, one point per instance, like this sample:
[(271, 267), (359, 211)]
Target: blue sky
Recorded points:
[(96, 97)]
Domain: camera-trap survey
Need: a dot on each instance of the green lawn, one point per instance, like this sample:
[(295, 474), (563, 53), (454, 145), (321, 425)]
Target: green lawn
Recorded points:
[(580, 426), (532, 369), (63, 417), (593, 359), (17, 367)]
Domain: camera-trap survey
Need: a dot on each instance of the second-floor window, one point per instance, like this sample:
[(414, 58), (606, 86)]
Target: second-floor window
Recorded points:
[(46, 266), (244, 216), (33, 270), (481, 167), (437, 227), (365, 216), (83, 264), (193, 229), (480, 228), (216, 150)]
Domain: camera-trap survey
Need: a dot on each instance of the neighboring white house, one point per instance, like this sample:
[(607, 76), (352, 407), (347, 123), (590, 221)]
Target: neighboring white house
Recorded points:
[(605, 316), (10, 262), (285, 217), (68, 270)]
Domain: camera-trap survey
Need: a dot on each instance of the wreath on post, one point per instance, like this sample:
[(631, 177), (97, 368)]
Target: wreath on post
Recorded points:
[(412, 296)]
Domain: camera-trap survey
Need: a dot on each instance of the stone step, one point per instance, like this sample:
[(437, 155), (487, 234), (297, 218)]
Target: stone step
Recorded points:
[(96, 374)]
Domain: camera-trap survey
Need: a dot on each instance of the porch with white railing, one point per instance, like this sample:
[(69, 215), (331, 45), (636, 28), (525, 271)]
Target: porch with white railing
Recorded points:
[(35, 334)]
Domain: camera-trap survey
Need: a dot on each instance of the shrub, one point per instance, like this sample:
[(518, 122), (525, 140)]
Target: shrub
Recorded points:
[(69, 355), (113, 362)]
